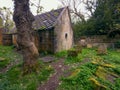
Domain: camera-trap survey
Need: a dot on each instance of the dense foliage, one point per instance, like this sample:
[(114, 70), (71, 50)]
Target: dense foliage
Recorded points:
[(105, 19), (107, 15)]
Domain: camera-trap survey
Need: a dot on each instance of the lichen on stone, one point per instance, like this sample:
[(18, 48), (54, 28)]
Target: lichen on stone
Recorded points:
[(102, 50), (97, 85), (101, 72)]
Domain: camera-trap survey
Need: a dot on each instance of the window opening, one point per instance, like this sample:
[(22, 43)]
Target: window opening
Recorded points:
[(41, 39), (66, 35)]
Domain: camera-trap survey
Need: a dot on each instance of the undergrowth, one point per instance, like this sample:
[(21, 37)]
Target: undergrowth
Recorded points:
[(13, 79), (84, 75), (7, 56), (80, 77)]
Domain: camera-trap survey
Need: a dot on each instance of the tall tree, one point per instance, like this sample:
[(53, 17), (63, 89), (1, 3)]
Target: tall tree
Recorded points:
[(105, 19), (107, 16), (23, 19)]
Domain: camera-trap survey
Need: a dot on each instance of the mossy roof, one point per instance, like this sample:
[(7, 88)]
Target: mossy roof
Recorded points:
[(46, 20)]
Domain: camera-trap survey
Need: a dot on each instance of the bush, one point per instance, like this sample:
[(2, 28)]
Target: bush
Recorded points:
[(117, 44), (78, 48), (72, 53)]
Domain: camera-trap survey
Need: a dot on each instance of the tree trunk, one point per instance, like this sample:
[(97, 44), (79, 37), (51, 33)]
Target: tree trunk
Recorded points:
[(23, 19)]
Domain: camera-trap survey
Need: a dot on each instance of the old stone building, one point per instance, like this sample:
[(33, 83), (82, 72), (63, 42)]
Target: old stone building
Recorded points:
[(53, 31)]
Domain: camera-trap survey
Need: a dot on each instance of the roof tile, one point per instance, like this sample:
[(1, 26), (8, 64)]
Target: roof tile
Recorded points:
[(47, 19)]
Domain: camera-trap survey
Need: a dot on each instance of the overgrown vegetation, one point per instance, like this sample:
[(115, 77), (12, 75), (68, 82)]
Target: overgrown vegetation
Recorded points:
[(12, 79), (7, 56), (86, 53), (91, 71), (104, 21), (117, 44), (88, 71)]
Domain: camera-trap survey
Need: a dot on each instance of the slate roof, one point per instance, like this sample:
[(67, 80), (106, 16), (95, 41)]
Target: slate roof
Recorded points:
[(46, 20)]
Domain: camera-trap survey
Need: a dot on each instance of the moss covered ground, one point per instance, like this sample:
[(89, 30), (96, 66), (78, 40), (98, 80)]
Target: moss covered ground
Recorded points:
[(88, 71)]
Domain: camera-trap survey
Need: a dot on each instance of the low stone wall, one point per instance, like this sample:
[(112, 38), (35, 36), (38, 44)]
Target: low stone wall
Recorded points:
[(95, 41)]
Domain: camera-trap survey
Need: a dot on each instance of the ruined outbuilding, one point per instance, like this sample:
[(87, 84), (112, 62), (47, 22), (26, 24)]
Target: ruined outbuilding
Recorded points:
[(53, 31)]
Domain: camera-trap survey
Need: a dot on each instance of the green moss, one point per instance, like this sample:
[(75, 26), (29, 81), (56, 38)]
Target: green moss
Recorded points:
[(86, 53), (97, 85), (99, 65), (79, 79), (74, 73), (56, 13), (101, 72), (42, 27)]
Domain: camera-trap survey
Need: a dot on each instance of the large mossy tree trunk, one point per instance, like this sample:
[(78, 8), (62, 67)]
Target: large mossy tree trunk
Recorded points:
[(23, 19)]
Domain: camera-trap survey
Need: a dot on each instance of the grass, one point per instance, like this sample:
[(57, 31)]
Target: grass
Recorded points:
[(13, 79), (8, 56), (86, 53), (61, 54), (80, 76), (90, 75)]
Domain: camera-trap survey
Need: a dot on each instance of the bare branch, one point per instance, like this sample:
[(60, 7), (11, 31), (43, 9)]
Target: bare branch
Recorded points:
[(74, 7), (39, 8), (90, 5)]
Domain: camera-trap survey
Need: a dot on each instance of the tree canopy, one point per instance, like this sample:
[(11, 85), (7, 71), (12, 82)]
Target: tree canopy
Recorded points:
[(104, 20)]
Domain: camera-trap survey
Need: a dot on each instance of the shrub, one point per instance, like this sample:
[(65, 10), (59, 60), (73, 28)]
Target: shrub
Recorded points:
[(78, 48), (117, 44), (72, 53)]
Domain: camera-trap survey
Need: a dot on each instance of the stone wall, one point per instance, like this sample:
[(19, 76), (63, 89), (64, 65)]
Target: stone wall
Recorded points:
[(44, 40), (95, 41), (63, 32)]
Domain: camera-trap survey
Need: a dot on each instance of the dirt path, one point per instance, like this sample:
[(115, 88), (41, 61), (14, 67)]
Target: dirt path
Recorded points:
[(59, 68), (54, 81)]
